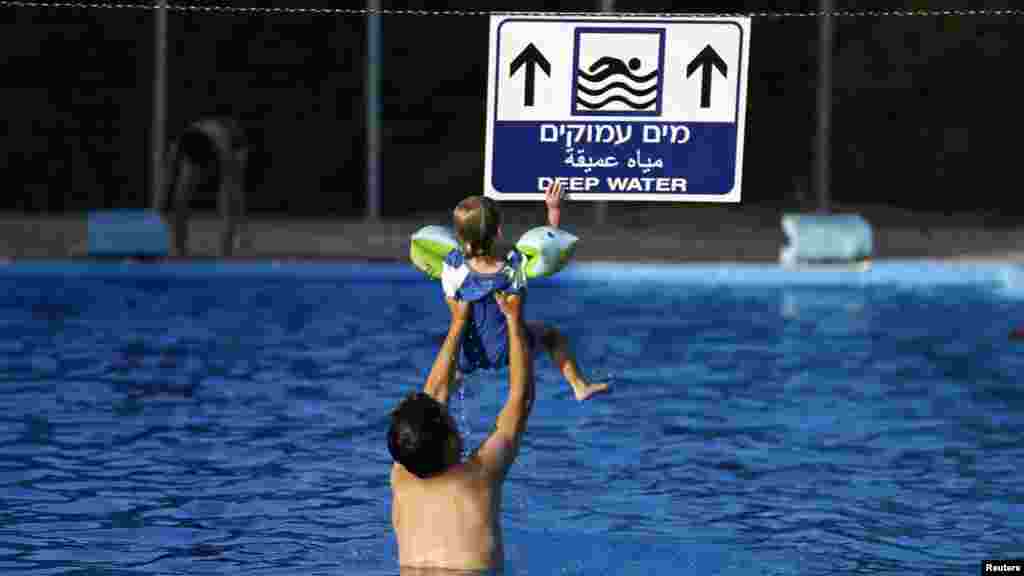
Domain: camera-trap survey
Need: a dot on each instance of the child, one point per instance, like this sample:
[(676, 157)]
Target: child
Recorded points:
[(473, 273)]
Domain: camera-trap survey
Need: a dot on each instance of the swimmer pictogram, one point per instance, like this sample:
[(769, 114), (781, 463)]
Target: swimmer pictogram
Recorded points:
[(618, 71), (637, 87)]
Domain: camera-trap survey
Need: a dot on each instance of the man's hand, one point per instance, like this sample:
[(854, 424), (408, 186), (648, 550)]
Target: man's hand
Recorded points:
[(460, 310), (553, 199), (511, 305)]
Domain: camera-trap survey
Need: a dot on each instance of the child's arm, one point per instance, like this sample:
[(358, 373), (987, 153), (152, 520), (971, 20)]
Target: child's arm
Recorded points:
[(441, 382), (553, 199)]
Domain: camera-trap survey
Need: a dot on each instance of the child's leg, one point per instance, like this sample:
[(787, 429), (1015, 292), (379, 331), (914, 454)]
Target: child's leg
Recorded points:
[(557, 346)]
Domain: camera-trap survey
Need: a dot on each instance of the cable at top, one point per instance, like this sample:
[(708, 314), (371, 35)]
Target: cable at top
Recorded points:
[(202, 8)]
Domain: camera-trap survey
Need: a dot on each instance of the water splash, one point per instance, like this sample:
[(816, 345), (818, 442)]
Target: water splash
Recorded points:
[(464, 429)]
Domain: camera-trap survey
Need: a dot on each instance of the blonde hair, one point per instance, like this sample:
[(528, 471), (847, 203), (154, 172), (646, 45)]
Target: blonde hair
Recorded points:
[(476, 225)]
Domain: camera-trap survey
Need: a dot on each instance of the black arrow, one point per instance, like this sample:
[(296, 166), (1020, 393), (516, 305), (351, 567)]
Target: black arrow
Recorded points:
[(532, 58), (705, 60)]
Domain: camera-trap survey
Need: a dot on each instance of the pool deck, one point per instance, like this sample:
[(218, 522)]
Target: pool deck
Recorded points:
[(673, 233)]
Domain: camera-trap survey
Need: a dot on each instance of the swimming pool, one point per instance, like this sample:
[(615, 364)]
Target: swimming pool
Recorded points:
[(230, 418)]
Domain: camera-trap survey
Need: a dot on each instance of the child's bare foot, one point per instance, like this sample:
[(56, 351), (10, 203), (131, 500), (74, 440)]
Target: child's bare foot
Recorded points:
[(589, 390)]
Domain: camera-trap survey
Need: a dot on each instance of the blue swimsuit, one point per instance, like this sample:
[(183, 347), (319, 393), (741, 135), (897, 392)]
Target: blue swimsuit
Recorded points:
[(485, 340)]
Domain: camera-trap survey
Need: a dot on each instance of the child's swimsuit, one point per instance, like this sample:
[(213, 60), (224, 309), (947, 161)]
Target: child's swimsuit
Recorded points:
[(485, 340)]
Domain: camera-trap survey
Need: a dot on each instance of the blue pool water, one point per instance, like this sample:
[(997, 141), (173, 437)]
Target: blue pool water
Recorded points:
[(230, 419)]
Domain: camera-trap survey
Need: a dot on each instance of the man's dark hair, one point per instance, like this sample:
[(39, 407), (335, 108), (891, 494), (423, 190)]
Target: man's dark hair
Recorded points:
[(419, 433)]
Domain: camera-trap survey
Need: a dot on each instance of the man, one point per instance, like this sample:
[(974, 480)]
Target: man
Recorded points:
[(446, 512)]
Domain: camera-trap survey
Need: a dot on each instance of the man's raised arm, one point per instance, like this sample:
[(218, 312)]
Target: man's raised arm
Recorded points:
[(441, 381), (499, 450)]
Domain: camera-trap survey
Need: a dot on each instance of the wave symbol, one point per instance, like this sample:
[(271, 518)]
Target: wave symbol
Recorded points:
[(629, 89)]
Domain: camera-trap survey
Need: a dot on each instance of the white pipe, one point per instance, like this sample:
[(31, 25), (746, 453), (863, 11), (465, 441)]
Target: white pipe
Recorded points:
[(601, 207), (156, 172), (373, 111), (824, 133)]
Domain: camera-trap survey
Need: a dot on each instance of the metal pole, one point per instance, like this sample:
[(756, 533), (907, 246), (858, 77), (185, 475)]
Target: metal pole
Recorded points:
[(601, 207), (824, 147), (156, 171), (373, 111)]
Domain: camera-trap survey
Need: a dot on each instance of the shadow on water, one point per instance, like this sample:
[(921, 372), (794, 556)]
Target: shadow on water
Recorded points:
[(141, 390)]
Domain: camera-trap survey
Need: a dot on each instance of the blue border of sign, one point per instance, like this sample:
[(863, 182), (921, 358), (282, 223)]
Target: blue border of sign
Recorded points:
[(494, 110), (575, 72)]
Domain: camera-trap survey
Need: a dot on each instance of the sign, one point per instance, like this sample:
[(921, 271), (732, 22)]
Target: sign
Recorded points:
[(624, 108)]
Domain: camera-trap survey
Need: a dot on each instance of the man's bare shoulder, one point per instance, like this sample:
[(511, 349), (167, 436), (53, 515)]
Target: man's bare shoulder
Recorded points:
[(493, 457), (398, 474)]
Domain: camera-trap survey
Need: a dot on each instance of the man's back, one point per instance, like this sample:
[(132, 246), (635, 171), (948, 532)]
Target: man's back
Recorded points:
[(451, 521)]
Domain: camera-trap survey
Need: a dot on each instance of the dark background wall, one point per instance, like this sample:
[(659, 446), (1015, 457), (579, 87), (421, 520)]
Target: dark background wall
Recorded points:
[(926, 109)]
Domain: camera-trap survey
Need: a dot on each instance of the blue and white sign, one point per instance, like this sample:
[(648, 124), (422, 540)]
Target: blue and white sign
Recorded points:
[(624, 108)]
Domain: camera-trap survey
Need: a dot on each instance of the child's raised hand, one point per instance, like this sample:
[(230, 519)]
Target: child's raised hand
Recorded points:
[(553, 195), (553, 198)]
